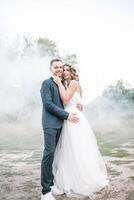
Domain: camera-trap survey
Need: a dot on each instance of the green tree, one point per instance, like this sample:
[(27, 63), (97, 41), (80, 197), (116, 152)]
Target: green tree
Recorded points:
[(47, 47), (121, 90), (71, 59)]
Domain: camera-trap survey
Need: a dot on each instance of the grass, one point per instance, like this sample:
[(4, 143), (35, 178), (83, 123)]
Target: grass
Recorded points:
[(121, 162), (120, 153), (131, 177), (130, 196), (113, 172), (108, 150), (131, 167), (8, 174)]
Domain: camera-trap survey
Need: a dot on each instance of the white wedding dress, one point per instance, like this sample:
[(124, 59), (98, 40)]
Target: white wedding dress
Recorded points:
[(78, 167)]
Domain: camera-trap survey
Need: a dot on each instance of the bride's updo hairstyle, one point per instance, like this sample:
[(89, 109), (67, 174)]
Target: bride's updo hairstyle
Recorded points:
[(74, 74)]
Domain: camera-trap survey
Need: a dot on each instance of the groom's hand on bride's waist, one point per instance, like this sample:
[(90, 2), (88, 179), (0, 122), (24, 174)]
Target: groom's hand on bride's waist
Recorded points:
[(73, 118)]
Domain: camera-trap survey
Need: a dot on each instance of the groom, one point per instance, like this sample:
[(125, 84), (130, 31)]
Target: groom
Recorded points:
[(53, 115)]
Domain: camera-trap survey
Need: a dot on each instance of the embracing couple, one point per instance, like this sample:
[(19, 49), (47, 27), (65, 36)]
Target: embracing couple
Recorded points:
[(71, 163)]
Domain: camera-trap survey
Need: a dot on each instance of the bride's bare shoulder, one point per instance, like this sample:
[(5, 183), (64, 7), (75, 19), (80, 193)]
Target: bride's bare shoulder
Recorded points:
[(73, 83), (75, 86)]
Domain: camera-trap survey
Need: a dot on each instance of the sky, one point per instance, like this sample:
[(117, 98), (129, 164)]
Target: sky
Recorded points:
[(99, 32)]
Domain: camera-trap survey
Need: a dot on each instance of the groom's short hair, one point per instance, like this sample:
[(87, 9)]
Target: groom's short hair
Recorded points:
[(55, 60)]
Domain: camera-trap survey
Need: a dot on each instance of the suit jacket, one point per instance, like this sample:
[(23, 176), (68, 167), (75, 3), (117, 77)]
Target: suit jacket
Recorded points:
[(53, 112)]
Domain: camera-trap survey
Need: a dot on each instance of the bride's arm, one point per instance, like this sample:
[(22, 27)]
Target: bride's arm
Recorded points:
[(66, 95)]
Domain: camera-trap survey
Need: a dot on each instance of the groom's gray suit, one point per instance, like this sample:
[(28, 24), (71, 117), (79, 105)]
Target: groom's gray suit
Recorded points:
[(53, 115)]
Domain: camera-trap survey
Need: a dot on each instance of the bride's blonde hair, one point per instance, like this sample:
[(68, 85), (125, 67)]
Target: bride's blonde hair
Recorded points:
[(74, 75)]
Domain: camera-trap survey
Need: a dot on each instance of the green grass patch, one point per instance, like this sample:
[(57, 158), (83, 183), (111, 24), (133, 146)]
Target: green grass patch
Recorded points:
[(131, 177), (121, 162), (113, 172), (120, 153)]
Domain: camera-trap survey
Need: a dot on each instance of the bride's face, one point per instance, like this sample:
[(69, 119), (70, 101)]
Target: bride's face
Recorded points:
[(66, 73)]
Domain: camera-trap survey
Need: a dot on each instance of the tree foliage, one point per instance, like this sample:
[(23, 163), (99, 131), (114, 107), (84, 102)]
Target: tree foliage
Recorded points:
[(47, 47), (28, 47), (71, 59), (120, 92)]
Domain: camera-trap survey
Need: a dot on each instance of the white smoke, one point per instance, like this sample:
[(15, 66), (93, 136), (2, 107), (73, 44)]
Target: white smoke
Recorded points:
[(20, 82)]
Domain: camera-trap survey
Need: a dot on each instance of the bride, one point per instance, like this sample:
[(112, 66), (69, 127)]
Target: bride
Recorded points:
[(78, 167)]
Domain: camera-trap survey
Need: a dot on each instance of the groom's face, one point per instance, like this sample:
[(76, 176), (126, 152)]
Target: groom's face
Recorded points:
[(57, 68)]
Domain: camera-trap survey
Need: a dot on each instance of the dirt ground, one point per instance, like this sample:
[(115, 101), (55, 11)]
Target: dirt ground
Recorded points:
[(20, 168), (20, 177)]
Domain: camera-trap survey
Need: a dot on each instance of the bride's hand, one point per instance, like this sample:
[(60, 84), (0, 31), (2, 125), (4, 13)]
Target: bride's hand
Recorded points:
[(57, 80)]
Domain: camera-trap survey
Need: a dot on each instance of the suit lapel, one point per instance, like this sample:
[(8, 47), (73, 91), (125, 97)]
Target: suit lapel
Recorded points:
[(54, 84)]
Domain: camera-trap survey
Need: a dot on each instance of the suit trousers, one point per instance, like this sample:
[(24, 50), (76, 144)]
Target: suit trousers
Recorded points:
[(51, 137)]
